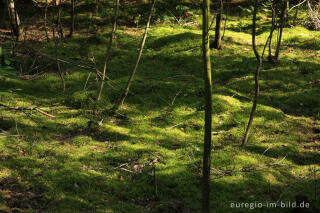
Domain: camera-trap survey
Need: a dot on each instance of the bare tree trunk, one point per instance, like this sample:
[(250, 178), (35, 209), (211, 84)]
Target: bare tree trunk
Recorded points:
[(295, 16), (59, 24), (126, 91), (208, 108), (97, 7), (45, 21), (282, 22), (256, 78), (72, 19), (56, 42), (108, 49), (273, 24), (217, 36), (225, 21), (14, 20), (1, 56)]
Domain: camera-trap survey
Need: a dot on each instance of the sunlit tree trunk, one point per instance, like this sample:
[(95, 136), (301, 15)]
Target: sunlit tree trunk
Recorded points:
[(256, 77), (208, 107), (108, 50), (143, 41)]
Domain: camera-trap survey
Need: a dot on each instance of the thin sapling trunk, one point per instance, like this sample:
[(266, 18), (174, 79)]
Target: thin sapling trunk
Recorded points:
[(143, 41), (217, 37), (72, 18), (208, 108), (256, 77), (108, 50), (282, 22)]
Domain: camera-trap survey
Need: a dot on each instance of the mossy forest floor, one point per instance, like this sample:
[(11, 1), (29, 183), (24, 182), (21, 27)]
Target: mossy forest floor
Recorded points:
[(148, 158)]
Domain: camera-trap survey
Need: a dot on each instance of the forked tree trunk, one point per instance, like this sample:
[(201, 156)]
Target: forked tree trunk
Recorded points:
[(208, 108), (256, 77), (143, 41), (108, 50)]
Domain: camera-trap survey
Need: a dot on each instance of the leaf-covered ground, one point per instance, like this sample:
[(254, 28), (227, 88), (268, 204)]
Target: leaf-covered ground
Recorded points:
[(148, 157)]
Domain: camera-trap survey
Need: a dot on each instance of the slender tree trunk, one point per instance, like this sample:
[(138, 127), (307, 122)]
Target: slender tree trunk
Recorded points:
[(97, 7), (217, 36), (72, 19), (61, 75), (126, 91), (256, 78), (14, 20), (273, 24), (45, 21), (225, 21), (295, 16), (208, 107), (108, 50), (282, 22), (59, 24), (1, 56)]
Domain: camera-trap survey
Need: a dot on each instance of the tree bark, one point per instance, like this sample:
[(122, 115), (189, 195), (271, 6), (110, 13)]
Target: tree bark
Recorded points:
[(97, 7), (208, 107), (273, 24), (108, 50), (14, 20), (72, 19), (45, 21), (217, 36), (58, 21), (256, 78), (126, 91), (282, 22), (295, 17)]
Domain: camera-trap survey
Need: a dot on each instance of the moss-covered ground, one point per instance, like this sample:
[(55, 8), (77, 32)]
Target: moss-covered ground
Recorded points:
[(148, 157)]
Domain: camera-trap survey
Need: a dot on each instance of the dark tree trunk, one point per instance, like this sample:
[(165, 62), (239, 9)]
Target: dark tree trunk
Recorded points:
[(45, 21), (58, 21), (282, 23), (72, 18), (217, 37), (208, 108), (295, 16)]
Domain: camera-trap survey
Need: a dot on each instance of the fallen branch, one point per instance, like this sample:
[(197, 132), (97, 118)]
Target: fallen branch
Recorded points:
[(44, 113), (7, 136), (28, 109), (52, 58)]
